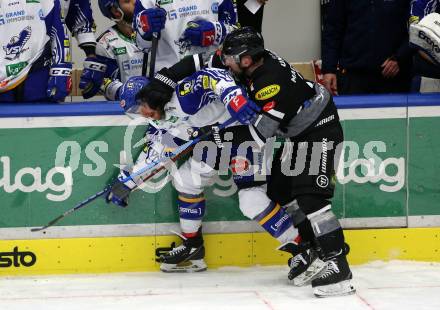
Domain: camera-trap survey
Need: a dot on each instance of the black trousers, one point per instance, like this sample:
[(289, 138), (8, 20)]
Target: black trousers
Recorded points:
[(246, 18), (306, 166), (352, 82)]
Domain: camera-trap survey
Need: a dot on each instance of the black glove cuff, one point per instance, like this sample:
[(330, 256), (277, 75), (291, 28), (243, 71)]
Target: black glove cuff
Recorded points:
[(166, 80)]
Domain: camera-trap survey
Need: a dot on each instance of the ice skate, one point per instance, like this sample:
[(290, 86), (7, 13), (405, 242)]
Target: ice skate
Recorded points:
[(335, 280), (305, 265), (187, 257)]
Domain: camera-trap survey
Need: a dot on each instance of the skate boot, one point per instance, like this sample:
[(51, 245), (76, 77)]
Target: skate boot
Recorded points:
[(335, 280), (305, 265), (187, 257)]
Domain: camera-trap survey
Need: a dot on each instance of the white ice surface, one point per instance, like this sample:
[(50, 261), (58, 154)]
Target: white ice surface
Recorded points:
[(394, 285)]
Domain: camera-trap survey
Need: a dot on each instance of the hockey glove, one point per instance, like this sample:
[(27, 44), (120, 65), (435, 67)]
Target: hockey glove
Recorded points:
[(120, 192), (111, 89), (240, 107), (150, 21), (92, 77), (201, 33), (59, 84), (215, 134)]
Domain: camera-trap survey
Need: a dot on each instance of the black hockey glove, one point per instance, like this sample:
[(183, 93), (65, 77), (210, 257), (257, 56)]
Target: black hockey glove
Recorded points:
[(212, 132), (119, 194)]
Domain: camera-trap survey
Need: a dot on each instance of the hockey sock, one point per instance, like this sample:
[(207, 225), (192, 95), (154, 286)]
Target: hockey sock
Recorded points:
[(277, 223), (191, 212)]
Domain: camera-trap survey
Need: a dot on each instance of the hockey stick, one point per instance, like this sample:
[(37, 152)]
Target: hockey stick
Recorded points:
[(153, 50), (183, 149), (144, 64), (179, 150), (78, 206), (154, 45)]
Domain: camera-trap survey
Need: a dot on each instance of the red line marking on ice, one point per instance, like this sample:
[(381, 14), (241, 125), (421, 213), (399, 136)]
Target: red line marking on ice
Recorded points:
[(145, 294), (402, 287), (264, 300), (364, 301)]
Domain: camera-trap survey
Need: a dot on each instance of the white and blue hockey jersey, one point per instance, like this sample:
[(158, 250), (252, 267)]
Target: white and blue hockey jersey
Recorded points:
[(122, 57), (179, 13), (31, 33), (197, 102)]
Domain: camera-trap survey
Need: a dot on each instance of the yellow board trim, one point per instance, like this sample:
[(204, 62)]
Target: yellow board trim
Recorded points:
[(270, 215), (127, 254)]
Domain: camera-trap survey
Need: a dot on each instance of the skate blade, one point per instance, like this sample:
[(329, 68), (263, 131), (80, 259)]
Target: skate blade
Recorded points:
[(188, 266), (315, 269), (338, 289)]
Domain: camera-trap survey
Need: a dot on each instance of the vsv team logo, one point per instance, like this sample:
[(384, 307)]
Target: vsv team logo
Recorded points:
[(16, 44)]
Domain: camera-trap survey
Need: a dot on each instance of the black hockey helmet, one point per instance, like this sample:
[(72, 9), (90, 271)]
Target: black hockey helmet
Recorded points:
[(243, 41)]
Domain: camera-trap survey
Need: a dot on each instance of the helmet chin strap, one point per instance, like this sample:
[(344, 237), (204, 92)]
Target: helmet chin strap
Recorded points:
[(120, 19)]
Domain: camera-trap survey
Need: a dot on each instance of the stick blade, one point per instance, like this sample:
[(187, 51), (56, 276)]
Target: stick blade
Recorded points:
[(51, 223)]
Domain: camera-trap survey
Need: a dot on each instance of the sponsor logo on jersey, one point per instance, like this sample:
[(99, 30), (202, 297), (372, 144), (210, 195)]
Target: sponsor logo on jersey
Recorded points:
[(434, 46), (32, 1), (214, 7), (13, 3), (16, 44), (240, 165), (322, 181), (163, 2), (15, 69), (172, 15), (186, 88), (120, 50), (16, 16), (4, 83), (267, 92), (17, 258), (205, 82), (132, 64), (189, 8), (186, 11), (269, 106)]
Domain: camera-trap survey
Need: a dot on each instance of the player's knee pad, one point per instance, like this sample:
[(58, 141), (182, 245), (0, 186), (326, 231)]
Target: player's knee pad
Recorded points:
[(191, 211), (192, 177), (324, 221)]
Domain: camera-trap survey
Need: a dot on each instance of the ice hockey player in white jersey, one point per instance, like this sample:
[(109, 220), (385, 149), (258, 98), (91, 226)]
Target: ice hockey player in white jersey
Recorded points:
[(117, 56), (34, 55), (185, 27), (191, 178)]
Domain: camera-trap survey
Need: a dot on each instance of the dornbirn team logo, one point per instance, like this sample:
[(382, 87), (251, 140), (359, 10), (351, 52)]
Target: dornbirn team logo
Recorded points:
[(16, 44)]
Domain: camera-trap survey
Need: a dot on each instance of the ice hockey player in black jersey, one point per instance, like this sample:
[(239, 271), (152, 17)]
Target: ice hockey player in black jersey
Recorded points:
[(303, 170)]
